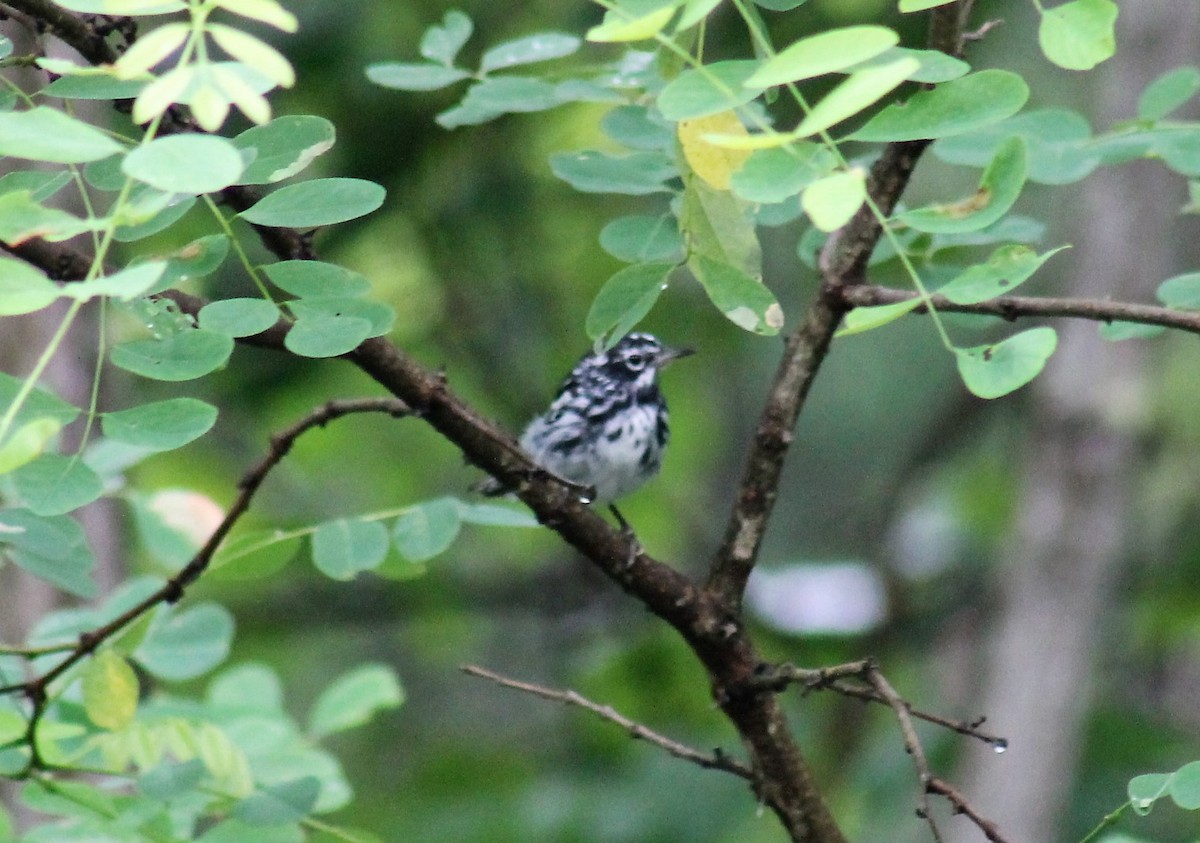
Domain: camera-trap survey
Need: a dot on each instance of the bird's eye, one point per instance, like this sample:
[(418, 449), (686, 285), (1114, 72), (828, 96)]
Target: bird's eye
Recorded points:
[(635, 361)]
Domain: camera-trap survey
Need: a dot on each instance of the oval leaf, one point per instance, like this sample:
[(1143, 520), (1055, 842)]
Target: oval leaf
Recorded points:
[(47, 134), (715, 87), (828, 52), (238, 317), (353, 699), (189, 163), (110, 690), (830, 202), (991, 371), (179, 357), (625, 299), (427, 529), (960, 105), (161, 425), (284, 147), (745, 301), (861, 89), (54, 484), (343, 547), (999, 187), (1079, 35), (317, 202)]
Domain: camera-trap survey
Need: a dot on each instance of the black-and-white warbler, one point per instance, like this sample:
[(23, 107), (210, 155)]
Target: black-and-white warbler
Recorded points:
[(607, 427)]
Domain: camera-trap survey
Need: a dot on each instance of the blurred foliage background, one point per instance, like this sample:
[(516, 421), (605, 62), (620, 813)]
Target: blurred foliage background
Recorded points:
[(900, 501)]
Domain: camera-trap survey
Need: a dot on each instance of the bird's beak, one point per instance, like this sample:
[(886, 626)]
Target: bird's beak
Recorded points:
[(668, 354)]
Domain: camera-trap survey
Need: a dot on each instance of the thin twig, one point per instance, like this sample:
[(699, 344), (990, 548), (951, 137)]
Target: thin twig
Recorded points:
[(1015, 307), (961, 806), (778, 677), (912, 743), (717, 761), (37, 690)]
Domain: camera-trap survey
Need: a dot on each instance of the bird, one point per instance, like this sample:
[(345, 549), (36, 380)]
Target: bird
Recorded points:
[(607, 427)]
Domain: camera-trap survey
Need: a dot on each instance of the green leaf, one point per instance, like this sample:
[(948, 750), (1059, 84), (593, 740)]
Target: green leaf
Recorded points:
[(26, 442), (150, 212), (343, 548), (256, 554), (379, 316), (279, 804), (314, 203), (634, 22), (268, 11), (863, 319), (921, 5), (122, 7), (1007, 268), (639, 239), (42, 184), (326, 335), (161, 425), (426, 529), (1079, 35), (1168, 92), (253, 53), (180, 357), (54, 484), (99, 86), (21, 219), (414, 76), (238, 317), (1181, 291), (991, 371), (716, 224), (1058, 145), (637, 127), (110, 690), (171, 779), (492, 97), (860, 90), (715, 87), (185, 644), (495, 515), (127, 284), (933, 65), (1118, 330), (188, 163), (195, 260), (23, 289), (1185, 786), (283, 147), (47, 134), (960, 105), (1146, 789), (53, 549), (625, 299), (998, 190), (530, 49), (827, 52), (316, 278), (744, 301), (234, 830), (638, 174), (353, 699), (773, 175), (40, 403), (441, 43), (831, 201), (12, 726), (150, 49)]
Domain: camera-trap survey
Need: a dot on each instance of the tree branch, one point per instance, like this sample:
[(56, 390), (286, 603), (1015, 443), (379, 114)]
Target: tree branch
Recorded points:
[(1015, 307), (843, 265), (37, 690), (717, 761)]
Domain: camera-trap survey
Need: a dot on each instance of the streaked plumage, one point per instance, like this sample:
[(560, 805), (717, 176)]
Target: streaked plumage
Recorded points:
[(608, 425)]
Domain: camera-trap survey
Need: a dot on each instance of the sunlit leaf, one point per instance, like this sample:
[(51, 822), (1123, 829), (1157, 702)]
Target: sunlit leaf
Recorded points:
[(47, 134), (110, 690), (826, 52), (23, 289), (1078, 35), (860, 90), (831, 201), (744, 301), (863, 319)]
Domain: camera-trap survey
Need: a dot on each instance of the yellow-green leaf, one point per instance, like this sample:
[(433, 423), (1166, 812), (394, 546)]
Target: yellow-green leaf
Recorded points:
[(110, 690)]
